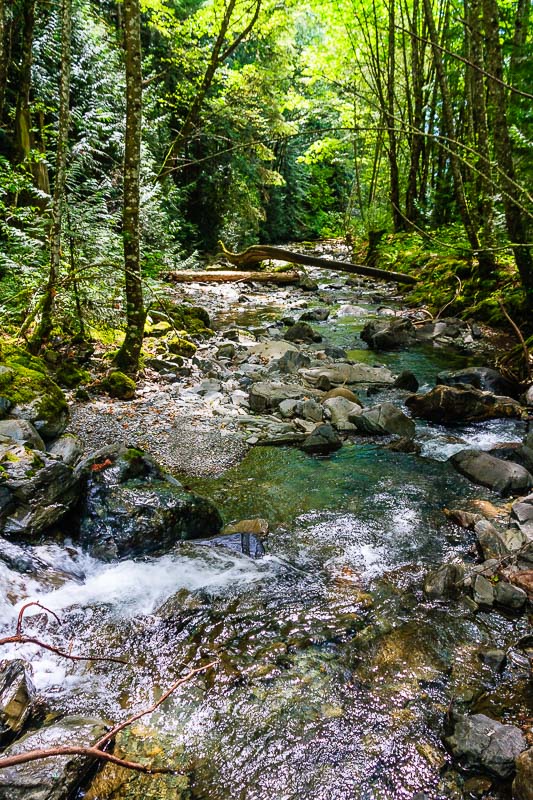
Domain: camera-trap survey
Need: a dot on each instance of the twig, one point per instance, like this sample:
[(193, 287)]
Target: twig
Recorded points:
[(96, 751), (454, 298), (520, 338), (19, 638)]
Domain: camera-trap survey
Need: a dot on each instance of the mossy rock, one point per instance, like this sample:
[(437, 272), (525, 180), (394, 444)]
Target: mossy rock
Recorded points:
[(192, 319), (33, 395), (119, 385), (158, 329), (181, 347), (70, 375)]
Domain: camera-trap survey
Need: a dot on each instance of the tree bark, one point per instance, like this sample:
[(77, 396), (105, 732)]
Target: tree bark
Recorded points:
[(503, 151), (47, 312), (22, 125), (128, 356), (227, 276), (258, 253)]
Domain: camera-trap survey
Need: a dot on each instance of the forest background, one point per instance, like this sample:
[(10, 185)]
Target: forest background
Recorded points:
[(402, 126)]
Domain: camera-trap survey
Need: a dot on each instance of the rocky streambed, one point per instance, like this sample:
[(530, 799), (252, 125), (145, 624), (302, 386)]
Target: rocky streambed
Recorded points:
[(367, 603)]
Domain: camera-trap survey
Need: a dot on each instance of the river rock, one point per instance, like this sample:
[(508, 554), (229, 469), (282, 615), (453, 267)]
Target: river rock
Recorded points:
[(51, 778), (265, 396), (509, 596), (483, 378), (389, 335), (481, 743), (340, 409), (501, 476), (315, 315), (349, 310), (21, 431), (302, 332), (17, 693), (310, 410), (341, 374), (482, 591), (524, 581), (445, 330), (322, 441), (490, 540), (516, 452), (342, 391), (383, 419), (528, 397), (407, 381), (465, 519), (258, 526), (267, 351), (34, 396), (67, 449), (290, 362), (130, 507), (445, 582), (449, 404), (37, 490), (523, 782)]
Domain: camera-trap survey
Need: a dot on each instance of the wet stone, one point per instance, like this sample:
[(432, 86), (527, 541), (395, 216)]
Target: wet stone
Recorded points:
[(481, 743), (509, 596), (16, 696), (482, 592)]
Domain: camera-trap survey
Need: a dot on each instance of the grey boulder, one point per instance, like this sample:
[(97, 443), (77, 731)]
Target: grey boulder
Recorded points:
[(481, 743), (384, 419), (501, 476)]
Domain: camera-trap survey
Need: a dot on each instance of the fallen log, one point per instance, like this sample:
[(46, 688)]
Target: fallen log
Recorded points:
[(260, 252), (226, 276)]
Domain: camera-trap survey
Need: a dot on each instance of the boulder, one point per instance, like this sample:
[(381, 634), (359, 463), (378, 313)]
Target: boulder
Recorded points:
[(445, 582), (265, 396), (302, 332), (322, 441), (290, 362), (516, 452), (524, 581), (130, 507), (32, 395), (17, 693), (523, 782), (37, 490), (500, 476), (118, 384), (389, 335), (51, 778), (384, 419), (481, 743), (258, 527), (446, 329), (449, 404), (67, 449), (310, 410), (483, 378), (528, 397), (349, 310), (483, 591), (21, 431), (344, 373), (267, 351), (340, 409)]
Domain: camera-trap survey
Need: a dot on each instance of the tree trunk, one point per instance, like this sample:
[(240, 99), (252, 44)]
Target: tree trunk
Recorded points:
[(398, 219), (47, 312), (3, 57), (449, 126), (22, 111), (230, 276), (503, 151), (128, 356)]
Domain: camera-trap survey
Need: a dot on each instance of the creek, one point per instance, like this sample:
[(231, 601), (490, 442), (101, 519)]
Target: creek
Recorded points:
[(335, 672)]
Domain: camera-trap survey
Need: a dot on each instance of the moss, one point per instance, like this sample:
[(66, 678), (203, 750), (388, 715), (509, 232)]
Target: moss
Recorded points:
[(181, 347), (119, 385), (70, 375), (31, 383), (192, 319)]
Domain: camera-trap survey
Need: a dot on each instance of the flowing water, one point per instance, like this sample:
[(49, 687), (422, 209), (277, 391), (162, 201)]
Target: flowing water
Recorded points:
[(334, 672)]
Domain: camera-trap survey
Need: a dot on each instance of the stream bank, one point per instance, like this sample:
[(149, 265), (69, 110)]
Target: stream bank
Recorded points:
[(338, 673)]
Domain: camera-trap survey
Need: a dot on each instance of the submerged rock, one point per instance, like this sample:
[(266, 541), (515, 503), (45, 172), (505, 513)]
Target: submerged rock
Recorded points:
[(130, 507), (407, 381), (17, 693), (501, 476), (51, 778), (449, 404), (445, 582), (481, 743)]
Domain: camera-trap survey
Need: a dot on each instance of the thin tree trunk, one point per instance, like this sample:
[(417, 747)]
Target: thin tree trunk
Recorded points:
[(128, 356), (47, 312), (503, 151), (22, 111), (3, 57), (449, 125), (397, 216)]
